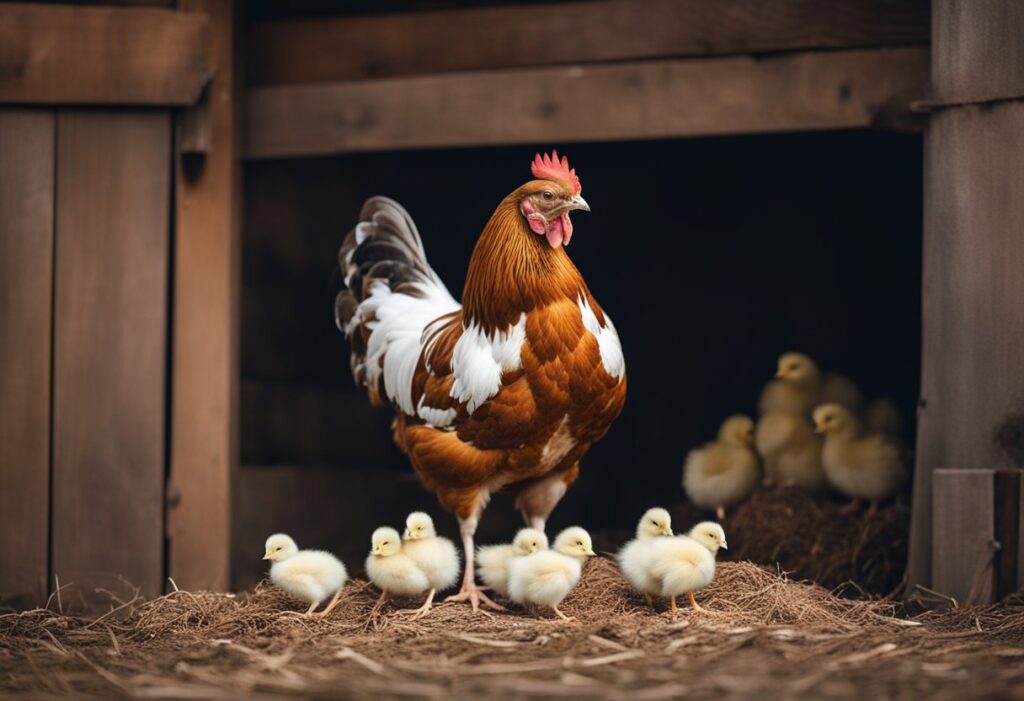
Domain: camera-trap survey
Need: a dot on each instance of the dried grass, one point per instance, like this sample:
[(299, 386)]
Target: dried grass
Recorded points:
[(763, 635)]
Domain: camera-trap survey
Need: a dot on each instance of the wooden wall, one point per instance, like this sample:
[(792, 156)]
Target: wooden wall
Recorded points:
[(85, 217), (973, 326)]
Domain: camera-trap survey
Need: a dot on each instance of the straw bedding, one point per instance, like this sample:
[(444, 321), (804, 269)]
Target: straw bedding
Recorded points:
[(764, 635)]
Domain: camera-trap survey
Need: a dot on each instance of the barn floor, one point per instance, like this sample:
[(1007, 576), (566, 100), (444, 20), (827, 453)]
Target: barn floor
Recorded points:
[(763, 636)]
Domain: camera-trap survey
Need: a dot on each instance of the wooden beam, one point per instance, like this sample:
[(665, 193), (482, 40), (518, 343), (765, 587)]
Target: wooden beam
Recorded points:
[(26, 314), (656, 99), (204, 432), (110, 331), (100, 55), (978, 51), (352, 48)]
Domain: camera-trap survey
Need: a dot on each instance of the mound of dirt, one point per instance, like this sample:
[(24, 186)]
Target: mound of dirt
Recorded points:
[(763, 635)]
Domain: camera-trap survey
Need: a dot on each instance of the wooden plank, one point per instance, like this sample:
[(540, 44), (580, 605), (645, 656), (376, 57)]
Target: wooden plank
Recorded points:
[(26, 308), (100, 55), (352, 48), (963, 523), (972, 331), (656, 99), (113, 185), (978, 50), (206, 320), (1007, 531)]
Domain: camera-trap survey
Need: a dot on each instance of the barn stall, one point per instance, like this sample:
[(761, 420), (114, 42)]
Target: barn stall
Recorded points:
[(176, 182)]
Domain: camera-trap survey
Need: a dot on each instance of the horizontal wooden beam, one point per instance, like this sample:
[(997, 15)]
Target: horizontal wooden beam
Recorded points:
[(101, 55), (651, 99), (352, 48)]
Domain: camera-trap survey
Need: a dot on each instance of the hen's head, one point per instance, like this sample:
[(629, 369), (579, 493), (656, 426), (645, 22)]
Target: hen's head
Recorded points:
[(547, 201)]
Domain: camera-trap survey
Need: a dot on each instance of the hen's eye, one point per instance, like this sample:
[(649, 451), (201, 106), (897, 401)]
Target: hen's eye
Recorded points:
[(548, 195)]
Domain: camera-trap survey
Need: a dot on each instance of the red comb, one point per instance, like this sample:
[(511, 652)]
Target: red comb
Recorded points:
[(551, 168)]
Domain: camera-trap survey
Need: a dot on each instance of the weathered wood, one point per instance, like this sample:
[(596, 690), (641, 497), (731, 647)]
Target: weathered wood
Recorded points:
[(653, 99), (973, 327), (204, 434), (26, 308), (113, 185), (978, 50), (351, 48), (963, 527), (1007, 531), (100, 55)]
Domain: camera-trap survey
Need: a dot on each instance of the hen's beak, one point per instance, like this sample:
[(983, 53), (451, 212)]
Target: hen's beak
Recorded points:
[(577, 202)]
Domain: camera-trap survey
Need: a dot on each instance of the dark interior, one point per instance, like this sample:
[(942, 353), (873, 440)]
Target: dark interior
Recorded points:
[(713, 256)]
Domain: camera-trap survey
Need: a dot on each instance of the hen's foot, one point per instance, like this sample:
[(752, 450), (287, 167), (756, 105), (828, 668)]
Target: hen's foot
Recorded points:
[(475, 597)]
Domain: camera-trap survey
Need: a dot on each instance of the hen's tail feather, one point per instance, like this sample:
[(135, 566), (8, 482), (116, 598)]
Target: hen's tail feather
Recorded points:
[(387, 278)]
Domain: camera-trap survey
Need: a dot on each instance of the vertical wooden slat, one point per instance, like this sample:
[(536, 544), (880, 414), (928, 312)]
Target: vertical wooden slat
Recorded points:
[(206, 289), (963, 522), (1007, 531), (26, 307), (113, 192)]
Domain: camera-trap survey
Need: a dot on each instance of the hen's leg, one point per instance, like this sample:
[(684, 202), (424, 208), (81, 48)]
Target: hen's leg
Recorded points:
[(539, 498), (470, 591)]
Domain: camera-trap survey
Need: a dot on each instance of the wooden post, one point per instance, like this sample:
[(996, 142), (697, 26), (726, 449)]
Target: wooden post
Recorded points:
[(27, 147), (205, 330), (973, 315)]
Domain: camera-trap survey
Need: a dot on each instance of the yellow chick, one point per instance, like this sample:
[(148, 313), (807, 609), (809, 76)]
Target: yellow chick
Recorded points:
[(799, 386), (726, 471), (392, 570), (634, 558), (860, 466), (492, 561), (791, 451), (685, 564), (546, 577), (309, 575), (434, 555)]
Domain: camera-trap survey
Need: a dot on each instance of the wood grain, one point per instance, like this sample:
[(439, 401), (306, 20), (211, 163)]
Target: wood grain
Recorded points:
[(973, 328), (652, 99), (204, 433), (26, 309), (963, 524), (1007, 531), (113, 185), (352, 48), (100, 55), (978, 50)]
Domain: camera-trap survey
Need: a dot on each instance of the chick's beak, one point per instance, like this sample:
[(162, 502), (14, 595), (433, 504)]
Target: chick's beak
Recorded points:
[(266, 556), (819, 428), (780, 374), (725, 546), (590, 551), (666, 531)]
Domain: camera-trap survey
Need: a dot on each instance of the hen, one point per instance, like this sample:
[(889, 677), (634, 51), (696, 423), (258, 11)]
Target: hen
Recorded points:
[(509, 389)]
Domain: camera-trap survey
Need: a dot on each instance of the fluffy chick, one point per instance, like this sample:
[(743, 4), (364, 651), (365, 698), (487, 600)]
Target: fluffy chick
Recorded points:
[(309, 575), (685, 564), (492, 561), (791, 451), (726, 471), (546, 577), (391, 569), (434, 555), (858, 465), (799, 386), (634, 557)]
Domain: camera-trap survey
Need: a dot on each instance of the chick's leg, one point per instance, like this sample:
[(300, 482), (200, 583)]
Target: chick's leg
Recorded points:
[(425, 608), (873, 509), (331, 605), (852, 507), (470, 591), (693, 602), (562, 615), (720, 513)]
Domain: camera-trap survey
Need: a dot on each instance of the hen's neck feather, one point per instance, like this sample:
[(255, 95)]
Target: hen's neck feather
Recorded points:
[(512, 271)]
